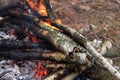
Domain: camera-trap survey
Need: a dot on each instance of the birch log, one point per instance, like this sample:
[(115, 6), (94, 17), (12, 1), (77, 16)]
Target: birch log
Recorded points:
[(83, 40), (64, 43)]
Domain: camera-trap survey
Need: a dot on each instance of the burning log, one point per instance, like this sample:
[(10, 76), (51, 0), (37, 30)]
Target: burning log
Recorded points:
[(29, 6)]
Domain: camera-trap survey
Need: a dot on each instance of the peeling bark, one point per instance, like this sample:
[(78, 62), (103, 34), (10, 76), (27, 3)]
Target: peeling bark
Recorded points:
[(64, 43)]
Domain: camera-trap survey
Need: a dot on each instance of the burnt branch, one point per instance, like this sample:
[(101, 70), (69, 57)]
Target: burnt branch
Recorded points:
[(8, 4), (21, 45), (37, 55)]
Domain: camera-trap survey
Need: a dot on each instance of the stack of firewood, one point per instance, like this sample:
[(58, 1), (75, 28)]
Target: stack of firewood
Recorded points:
[(27, 35)]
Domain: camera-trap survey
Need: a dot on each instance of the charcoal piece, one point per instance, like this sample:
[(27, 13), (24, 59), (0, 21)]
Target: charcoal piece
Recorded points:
[(15, 45), (21, 56), (7, 4)]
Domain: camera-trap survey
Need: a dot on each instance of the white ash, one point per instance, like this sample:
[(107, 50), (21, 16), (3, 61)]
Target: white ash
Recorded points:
[(4, 36), (7, 71), (17, 71)]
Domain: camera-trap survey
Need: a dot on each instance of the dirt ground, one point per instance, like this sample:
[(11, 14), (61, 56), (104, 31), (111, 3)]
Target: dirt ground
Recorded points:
[(104, 14)]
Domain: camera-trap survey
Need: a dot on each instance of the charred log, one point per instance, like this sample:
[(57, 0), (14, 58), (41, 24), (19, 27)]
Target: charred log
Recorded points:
[(14, 55), (38, 55), (8, 4), (21, 45)]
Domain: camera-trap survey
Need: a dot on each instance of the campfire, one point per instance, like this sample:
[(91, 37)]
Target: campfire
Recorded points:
[(35, 45)]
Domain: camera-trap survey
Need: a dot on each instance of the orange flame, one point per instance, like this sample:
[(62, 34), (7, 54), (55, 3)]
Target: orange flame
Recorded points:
[(49, 24), (31, 4), (41, 8), (42, 11)]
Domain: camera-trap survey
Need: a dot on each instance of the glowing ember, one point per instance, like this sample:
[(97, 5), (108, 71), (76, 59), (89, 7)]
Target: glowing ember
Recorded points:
[(40, 71), (58, 21), (49, 24), (11, 32), (33, 38)]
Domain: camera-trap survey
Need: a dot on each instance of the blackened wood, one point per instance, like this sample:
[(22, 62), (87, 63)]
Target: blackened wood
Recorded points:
[(26, 23), (13, 55), (17, 45), (7, 26), (8, 4), (36, 55)]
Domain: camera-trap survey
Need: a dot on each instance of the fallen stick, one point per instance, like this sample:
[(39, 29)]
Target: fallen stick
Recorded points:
[(74, 34)]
